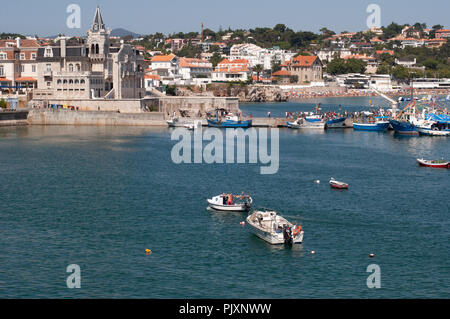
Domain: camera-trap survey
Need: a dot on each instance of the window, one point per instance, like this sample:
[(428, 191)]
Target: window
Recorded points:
[(33, 56), (2, 70), (78, 68), (23, 68), (48, 68), (59, 82), (70, 67), (82, 82), (33, 68), (2, 56), (22, 56), (49, 83)]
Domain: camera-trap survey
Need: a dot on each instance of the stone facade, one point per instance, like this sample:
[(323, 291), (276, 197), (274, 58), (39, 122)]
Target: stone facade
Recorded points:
[(91, 68)]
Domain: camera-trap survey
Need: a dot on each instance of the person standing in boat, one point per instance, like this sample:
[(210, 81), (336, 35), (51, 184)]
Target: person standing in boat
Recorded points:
[(230, 200)]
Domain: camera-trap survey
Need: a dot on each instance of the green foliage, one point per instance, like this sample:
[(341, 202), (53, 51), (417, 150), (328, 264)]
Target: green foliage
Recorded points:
[(2, 103), (293, 79), (171, 90), (215, 59), (340, 66)]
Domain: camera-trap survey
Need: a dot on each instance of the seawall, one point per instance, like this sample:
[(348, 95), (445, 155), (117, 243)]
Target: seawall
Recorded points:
[(12, 118), (99, 118)]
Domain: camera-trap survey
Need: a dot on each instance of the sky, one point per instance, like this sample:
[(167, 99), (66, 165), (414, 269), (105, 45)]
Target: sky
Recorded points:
[(48, 17)]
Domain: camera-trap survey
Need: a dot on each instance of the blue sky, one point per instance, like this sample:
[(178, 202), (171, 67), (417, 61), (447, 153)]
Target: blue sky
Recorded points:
[(48, 17)]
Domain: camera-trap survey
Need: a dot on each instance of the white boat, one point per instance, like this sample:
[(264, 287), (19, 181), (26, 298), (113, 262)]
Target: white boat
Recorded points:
[(231, 203), (195, 126), (432, 128), (274, 229), (301, 124)]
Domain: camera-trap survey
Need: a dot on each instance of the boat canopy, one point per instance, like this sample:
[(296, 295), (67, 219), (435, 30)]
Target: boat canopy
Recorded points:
[(440, 118)]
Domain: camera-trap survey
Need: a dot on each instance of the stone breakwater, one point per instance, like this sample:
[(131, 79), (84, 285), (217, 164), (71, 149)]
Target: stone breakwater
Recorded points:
[(98, 118)]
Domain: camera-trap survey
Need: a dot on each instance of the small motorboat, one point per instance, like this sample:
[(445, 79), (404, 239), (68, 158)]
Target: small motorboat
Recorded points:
[(303, 124), (274, 229), (195, 126), (338, 185), (379, 126), (434, 164), (230, 122), (231, 203)]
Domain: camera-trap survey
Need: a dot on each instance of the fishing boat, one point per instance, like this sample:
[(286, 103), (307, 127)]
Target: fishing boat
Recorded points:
[(434, 164), (231, 203), (378, 126), (230, 122), (274, 229), (336, 123), (406, 121), (432, 131), (338, 185)]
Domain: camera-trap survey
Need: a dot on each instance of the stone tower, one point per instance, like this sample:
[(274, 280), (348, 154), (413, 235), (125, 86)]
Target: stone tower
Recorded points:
[(98, 38)]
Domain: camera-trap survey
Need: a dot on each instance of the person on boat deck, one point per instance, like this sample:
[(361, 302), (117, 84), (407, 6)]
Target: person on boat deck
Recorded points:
[(230, 199)]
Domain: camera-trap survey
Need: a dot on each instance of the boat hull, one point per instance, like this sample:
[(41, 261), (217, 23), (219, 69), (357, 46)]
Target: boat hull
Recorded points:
[(375, 127), (336, 123), (307, 125), (271, 238), (430, 132), (425, 163), (230, 124), (403, 127), (229, 208)]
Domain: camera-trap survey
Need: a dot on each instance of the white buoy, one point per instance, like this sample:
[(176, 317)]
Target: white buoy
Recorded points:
[(313, 252), (242, 223), (317, 181), (371, 255)]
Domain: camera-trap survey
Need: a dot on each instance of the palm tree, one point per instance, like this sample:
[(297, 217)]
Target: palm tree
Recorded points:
[(258, 69)]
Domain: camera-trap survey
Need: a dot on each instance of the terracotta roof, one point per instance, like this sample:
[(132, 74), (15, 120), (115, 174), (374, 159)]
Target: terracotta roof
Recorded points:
[(163, 58), (153, 77), (24, 43), (4, 80), (282, 73), (26, 79), (302, 60)]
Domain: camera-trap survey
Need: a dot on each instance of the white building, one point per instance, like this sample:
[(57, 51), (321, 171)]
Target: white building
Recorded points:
[(327, 55), (231, 71), (380, 82)]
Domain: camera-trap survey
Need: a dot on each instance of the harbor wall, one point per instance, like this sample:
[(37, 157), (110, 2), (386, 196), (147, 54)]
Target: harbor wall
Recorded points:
[(99, 118), (188, 106), (11, 118)]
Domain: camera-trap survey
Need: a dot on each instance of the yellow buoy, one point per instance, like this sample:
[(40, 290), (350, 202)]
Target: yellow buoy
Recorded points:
[(148, 251)]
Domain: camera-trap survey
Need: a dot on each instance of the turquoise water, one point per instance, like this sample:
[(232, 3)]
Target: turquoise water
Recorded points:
[(99, 196)]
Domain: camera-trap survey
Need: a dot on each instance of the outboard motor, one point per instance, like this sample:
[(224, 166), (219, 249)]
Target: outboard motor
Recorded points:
[(287, 233)]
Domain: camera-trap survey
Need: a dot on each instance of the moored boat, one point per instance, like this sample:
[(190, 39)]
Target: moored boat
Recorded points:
[(336, 123), (338, 185), (230, 122), (231, 203), (303, 124), (404, 127), (380, 126), (434, 164), (274, 229)]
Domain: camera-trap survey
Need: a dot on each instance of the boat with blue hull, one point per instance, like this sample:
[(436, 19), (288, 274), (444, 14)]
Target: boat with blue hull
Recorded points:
[(336, 123), (230, 122), (404, 127), (374, 127)]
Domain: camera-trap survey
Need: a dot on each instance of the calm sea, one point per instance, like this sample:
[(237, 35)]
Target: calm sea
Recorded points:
[(99, 196)]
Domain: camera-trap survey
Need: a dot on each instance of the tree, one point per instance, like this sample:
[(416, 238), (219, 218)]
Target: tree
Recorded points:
[(258, 69), (215, 59), (2, 104)]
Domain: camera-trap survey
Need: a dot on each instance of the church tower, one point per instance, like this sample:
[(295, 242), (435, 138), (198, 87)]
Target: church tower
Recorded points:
[(98, 38)]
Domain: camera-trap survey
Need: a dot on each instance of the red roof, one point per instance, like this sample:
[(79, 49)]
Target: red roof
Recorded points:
[(26, 79), (282, 73), (163, 58), (302, 60)]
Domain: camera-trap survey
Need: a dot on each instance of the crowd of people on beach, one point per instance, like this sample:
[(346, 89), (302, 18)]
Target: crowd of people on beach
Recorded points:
[(304, 94)]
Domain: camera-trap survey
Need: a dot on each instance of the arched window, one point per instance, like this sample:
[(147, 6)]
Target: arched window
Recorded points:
[(78, 68), (82, 82), (71, 67), (97, 49), (59, 82), (92, 49), (65, 81), (70, 81), (76, 81)]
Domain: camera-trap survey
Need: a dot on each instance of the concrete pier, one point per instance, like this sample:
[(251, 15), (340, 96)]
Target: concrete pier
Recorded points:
[(13, 118)]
